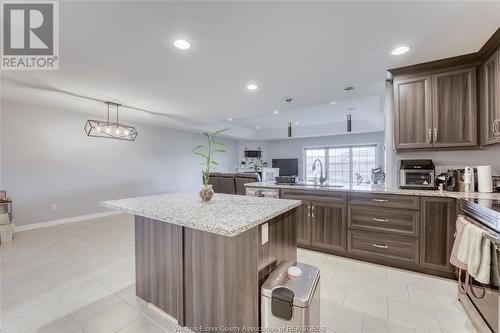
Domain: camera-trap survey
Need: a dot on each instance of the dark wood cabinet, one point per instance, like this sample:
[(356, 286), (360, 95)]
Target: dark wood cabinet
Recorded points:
[(322, 220), (404, 231), (490, 99), (454, 108), (437, 216), (413, 116), (304, 224), (437, 110), (329, 225), (389, 249)]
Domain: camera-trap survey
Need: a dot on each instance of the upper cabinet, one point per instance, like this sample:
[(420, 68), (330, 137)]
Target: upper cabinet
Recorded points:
[(413, 116), (454, 115), (436, 110), (490, 102)]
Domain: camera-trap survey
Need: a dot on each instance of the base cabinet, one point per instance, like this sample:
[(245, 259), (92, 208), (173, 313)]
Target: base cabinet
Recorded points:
[(438, 217), (329, 225), (322, 221), (304, 224), (409, 232)]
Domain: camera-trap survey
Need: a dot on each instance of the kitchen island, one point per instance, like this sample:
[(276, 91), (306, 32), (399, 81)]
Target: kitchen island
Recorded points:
[(204, 263)]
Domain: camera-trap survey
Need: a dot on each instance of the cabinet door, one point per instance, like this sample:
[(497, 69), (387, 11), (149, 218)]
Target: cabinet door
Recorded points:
[(454, 108), (304, 224), (438, 216), (329, 225), (413, 119), (490, 105)]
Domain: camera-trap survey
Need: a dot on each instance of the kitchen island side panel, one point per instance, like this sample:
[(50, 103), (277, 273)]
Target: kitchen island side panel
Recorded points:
[(282, 244), (159, 265), (223, 274)]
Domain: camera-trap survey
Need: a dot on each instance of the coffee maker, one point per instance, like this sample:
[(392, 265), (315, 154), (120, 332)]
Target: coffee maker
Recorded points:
[(452, 180)]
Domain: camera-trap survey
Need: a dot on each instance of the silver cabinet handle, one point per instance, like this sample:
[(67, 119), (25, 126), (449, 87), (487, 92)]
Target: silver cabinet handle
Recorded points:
[(380, 246), (380, 220), (380, 200), (429, 136), (435, 135), (312, 211)]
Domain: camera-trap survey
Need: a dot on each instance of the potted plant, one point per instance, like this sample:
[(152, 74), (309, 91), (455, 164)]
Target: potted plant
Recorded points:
[(206, 152), (258, 165)]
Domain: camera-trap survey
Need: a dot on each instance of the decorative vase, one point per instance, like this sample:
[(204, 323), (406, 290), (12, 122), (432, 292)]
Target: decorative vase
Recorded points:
[(206, 193)]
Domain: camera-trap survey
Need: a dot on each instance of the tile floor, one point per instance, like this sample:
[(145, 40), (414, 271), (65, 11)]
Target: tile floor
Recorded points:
[(80, 278)]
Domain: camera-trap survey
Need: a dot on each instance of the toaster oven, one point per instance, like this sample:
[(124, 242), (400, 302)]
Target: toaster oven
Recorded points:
[(417, 174)]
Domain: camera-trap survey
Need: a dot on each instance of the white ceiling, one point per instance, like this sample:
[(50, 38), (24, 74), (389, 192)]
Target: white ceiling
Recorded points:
[(310, 51)]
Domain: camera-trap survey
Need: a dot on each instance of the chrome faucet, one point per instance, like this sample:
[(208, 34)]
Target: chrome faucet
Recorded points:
[(321, 178)]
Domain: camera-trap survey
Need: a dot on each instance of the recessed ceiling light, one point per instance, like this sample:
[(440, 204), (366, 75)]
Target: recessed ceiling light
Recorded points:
[(296, 123), (230, 119), (400, 50), (333, 102), (257, 128), (276, 111), (182, 44), (252, 86)]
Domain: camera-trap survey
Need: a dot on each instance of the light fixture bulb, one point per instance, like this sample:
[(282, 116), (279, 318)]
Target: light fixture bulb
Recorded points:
[(108, 130), (98, 128), (182, 44), (230, 119), (276, 111), (127, 132), (252, 86), (117, 132), (400, 50), (333, 102)]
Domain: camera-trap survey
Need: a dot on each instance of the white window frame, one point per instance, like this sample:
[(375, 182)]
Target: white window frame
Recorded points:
[(326, 166)]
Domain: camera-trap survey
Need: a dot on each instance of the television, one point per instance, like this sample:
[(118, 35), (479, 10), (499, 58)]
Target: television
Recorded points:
[(287, 166)]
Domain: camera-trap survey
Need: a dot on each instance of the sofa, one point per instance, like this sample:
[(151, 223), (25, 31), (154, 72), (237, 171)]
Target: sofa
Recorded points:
[(232, 183)]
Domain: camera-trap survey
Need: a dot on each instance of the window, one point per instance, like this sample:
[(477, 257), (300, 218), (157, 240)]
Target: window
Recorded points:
[(342, 164)]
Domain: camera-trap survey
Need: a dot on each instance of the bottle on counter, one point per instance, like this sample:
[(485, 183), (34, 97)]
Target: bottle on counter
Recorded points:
[(468, 180)]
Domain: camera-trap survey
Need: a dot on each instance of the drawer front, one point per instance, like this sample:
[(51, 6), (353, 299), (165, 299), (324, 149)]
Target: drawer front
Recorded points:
[(305, 195), (392, 220), (390, 248), (385, 200)]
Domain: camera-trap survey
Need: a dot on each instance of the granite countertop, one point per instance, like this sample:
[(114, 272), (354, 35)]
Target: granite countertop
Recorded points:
[(227, 215), (380, 189)]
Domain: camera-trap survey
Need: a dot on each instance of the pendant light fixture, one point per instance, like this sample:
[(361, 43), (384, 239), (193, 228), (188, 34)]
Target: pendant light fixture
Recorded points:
[(289, 129), (110, 129), (348, 90), (349, 123)]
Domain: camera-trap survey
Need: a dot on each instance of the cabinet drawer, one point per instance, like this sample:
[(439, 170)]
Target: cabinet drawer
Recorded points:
[(384, 200), (387, 247), (392, 220), (305, 195)]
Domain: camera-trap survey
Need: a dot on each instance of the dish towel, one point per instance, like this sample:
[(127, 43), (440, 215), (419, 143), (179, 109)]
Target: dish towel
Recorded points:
[(459, 232), (475, 251)]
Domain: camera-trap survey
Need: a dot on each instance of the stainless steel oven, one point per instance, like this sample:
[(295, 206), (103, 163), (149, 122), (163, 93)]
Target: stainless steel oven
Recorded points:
[(481, 302), (417, 174)]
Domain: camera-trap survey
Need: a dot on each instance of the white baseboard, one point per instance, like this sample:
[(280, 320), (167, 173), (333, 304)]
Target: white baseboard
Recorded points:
[(64, 221)]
